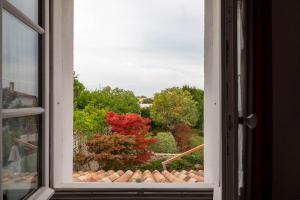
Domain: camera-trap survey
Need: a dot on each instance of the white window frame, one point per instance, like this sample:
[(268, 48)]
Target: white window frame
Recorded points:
[(62, 102), (44, 191)]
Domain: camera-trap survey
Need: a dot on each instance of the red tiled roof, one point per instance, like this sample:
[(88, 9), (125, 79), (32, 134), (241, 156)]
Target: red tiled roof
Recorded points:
[(138, 176)]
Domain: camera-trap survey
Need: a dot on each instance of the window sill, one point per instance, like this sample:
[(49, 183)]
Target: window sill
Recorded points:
[(133, 186), (199, 192), (42, 193)]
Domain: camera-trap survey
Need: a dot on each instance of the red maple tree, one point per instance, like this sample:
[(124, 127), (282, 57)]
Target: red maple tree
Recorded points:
[(136, 126)]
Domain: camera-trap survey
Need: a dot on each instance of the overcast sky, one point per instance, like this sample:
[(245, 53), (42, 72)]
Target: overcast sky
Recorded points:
[(139, 45)]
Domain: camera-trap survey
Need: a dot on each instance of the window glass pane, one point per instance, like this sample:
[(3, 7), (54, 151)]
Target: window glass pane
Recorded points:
[(20, 64), (20, 156), (28, 7)]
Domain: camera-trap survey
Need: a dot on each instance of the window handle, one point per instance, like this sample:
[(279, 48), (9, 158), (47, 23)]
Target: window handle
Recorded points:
[(250, 121)]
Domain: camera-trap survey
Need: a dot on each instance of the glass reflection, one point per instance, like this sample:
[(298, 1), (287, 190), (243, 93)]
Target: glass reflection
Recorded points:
[(28, 7), (20, 64), (20, 156)]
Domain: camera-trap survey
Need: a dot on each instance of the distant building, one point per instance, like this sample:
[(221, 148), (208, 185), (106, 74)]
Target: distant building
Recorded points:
[(15, 99), (145, 105), (145, 102)]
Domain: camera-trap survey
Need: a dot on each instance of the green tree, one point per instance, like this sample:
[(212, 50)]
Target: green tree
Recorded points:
[(174, 106), (116, 100), (90, 107), (89, 121), (80, 93), (197, 95)]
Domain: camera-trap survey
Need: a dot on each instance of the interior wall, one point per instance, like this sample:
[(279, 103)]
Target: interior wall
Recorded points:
[(286, 99), (276, 160)]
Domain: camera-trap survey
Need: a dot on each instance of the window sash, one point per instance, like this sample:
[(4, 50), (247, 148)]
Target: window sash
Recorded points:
[(22, 17), (43, 82), (21, 112)]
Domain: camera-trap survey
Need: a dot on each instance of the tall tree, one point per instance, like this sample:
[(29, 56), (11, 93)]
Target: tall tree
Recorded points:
[(78, 89), (174, 106), (197, 95)]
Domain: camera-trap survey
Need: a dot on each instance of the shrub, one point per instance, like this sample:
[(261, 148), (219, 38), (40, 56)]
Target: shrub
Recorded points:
[(136, 126), (89, 121), (180, 165), (80, 159), (165, 143), (196, 140), (187, 162), (183, 134), (153, 165), (112, 151), (145, 112), (195, 158)]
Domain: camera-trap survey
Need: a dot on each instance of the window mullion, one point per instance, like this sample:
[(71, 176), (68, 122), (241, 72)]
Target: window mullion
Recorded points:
[(21, 112), (22, 17)]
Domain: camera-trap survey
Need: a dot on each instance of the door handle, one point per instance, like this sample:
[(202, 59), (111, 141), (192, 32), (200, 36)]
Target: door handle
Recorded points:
[(250, 121)]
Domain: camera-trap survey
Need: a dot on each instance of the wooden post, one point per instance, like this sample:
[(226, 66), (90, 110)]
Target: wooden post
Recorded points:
[(177, 157)]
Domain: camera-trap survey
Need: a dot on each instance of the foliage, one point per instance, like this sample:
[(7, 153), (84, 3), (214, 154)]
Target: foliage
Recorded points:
[(147, 101), (165, 143), (136, 126), (195, 158), (90, 107), (145, 112), (80, 159), (186, 163), (89, 121), (112, 151), (114, 100), (82, 100), (152, 165), (174, 106), (197, 95), (183, 134), (78, 89), (196, 140)]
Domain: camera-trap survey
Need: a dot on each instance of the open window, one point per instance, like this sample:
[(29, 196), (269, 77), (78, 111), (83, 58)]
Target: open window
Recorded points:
[(138, 91), (63, 87), (37, 105)]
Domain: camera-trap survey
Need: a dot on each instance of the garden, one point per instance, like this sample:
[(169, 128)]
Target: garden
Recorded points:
[(116, 136)]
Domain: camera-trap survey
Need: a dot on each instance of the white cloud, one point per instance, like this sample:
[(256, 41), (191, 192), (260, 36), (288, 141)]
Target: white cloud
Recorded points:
[(141, 45)]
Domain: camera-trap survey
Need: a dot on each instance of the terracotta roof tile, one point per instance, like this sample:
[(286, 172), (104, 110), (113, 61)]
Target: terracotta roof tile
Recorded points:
[(138, 176)]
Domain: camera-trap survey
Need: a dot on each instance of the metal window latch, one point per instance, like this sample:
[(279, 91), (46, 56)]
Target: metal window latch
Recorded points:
[(250, 121)]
